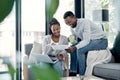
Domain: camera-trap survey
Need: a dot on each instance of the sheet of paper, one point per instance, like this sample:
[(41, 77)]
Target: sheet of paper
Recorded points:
[(60, 47)]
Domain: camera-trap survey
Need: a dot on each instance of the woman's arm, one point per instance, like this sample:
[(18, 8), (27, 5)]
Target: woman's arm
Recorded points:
[(46, 46)]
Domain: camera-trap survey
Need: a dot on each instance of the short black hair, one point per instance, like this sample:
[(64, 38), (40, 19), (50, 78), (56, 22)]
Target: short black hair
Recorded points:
[(68, 13), (53, 21)]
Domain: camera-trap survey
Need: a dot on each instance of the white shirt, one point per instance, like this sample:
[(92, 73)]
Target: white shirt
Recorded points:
[(86, 31), (47, 49)]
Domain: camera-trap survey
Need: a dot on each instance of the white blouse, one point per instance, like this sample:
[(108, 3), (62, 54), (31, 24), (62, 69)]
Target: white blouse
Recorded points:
[(47, 49)]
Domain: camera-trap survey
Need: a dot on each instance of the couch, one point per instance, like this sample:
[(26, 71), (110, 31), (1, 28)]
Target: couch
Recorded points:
[(109, 71), (34, 48)]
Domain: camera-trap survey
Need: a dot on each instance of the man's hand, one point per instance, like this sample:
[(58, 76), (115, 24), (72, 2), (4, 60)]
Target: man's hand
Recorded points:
[(71, 49)]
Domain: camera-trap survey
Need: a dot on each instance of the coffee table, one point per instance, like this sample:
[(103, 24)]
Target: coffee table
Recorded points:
[(82, 78)]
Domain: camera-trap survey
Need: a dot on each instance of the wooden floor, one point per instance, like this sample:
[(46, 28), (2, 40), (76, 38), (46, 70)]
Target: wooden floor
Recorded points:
[(7, 77)]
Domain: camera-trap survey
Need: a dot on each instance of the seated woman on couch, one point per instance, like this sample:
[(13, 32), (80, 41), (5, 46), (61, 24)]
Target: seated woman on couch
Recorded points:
[(55, 38)]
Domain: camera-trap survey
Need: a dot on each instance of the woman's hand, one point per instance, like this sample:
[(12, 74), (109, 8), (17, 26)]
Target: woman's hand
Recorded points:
[(60, 57), (71, 49)]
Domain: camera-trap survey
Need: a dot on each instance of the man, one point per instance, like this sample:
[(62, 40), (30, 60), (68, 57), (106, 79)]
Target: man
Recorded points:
[(89, 37)]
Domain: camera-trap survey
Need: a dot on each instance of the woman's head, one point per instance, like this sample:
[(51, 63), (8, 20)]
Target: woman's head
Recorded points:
[(54, 28)]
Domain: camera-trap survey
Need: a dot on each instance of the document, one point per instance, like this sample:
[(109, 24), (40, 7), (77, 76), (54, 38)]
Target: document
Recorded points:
[(59, 47)]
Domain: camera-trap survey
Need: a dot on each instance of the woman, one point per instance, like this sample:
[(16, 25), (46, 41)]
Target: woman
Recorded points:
[(55, 38)]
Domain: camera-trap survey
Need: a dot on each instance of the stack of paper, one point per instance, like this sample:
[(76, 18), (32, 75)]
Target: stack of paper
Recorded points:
[(59, 47)]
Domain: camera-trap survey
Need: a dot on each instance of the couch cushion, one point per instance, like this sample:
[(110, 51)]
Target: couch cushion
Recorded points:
[(97, 57), (37, 48), (107, 71)]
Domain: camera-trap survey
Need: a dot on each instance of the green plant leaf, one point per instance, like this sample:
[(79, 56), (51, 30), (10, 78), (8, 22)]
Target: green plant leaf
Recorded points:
[(5, 8), (116, 45), (44, 72), (10, 66), (51, 7)]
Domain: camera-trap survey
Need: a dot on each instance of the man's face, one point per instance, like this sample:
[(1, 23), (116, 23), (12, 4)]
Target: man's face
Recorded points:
[(71, 21)]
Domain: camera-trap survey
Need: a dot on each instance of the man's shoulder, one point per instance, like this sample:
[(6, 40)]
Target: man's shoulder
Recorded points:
[(83, 19)]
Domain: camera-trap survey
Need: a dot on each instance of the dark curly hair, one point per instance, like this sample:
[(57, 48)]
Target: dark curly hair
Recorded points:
[(68, 14), (54, 21)]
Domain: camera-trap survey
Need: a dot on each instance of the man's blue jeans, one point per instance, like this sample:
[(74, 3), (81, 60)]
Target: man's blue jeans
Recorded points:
[(78, 57)]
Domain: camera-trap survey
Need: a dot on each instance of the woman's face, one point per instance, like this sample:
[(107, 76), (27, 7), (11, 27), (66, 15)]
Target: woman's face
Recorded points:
[(55, 29)]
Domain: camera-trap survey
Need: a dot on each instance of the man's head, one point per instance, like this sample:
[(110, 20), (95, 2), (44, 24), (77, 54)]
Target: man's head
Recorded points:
[(70, 19)]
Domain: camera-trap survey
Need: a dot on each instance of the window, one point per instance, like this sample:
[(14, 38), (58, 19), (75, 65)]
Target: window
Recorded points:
[(110, 26), (33, 21)]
